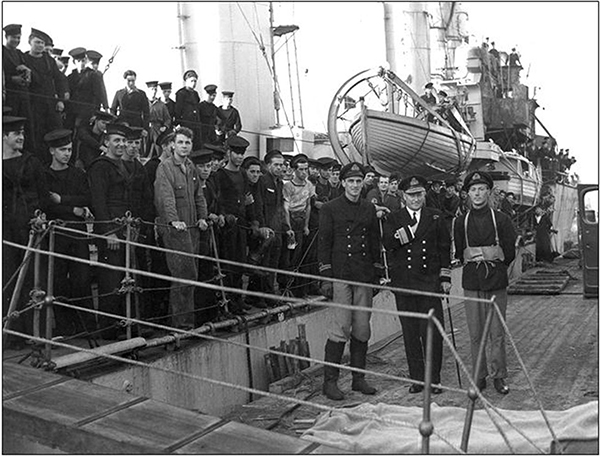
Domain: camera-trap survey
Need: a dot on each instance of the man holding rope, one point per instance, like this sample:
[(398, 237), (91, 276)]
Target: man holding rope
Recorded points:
[(349, 250), (485, 243)]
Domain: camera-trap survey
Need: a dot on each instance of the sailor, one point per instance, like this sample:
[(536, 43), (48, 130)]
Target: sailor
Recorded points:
[(208, 115), (433, 197), (334, 181), (348, 249), (231, 185), (428, 96), (70, 199), (159, 118), (313, 170), (369, 182), (229, 121), (485, 243), (131, 104), (218, 160), (109, 187), (90, 138), (258, 237), (418, 245), (297, 195), (86, 90), (94, 62), (47, 89), (17, 77), (187, 113), (24, 189), (323, 191), (271, 214), (206, 300), (166, 89), (182, 215)]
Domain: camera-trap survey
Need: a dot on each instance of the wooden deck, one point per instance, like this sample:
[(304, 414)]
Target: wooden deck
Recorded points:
[(48, 413), (557, 337)]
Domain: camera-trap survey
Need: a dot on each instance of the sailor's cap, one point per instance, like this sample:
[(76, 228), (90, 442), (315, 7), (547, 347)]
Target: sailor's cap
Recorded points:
[(352, 169)]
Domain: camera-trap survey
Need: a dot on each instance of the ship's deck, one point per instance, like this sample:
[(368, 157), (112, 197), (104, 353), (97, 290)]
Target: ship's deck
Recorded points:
[(557, 337)]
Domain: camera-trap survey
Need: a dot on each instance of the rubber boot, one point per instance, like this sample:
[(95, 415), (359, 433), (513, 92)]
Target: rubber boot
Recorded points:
[(333, 354), (358, 358)]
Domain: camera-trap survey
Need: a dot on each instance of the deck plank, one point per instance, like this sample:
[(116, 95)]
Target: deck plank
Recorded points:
[(237, 438)]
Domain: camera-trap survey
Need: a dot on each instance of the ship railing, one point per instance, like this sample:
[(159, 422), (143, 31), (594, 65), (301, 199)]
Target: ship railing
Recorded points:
[(44, 300)]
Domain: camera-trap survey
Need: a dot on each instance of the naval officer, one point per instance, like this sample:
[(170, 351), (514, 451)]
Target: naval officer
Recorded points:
[(485, 243), (348, 249), (418, 243)]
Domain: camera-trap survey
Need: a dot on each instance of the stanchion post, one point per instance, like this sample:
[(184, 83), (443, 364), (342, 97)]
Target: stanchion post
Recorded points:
[(50, 291), (19, 284), (472, 394), (35, 292), (128, 274), (426, 426)]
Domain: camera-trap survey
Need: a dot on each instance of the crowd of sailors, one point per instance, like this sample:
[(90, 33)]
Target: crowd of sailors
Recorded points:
[(179, 168)]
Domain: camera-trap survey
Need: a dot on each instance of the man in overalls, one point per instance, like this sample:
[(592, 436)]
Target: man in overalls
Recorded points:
[(485, 244)]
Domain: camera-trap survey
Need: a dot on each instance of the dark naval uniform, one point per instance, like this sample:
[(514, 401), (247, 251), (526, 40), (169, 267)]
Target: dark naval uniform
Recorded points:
[(109, 185), (187, 113), (348, 249), (72, 279), (87, 95), (485, 243), (419, 259)]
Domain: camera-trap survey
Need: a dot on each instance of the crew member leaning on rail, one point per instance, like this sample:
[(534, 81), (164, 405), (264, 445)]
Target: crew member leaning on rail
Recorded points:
[(348, 249), (418, 242), (109, 187), (180, 203), (485, 243)]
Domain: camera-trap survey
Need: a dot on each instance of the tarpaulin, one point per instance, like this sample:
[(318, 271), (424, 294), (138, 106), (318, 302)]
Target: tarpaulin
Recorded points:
[(362, 432)]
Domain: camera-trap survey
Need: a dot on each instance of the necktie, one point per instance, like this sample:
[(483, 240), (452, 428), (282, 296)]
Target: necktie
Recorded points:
[(414, 219)]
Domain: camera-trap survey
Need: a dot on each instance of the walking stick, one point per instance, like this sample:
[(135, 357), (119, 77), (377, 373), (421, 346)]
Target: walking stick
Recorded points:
[(223, 303), (447, 301), (384, 280)]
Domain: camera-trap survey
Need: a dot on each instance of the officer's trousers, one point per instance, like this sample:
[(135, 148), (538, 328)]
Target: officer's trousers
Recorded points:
[(414, 331), (351, 323), (476, 314)]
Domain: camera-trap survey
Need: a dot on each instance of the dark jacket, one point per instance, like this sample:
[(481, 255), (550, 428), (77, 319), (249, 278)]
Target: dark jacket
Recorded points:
[(423, 262), (231, 201), (87, 93), (208, 119), (88, 144), (269, 205), (348, 240), (24, 189), (131, 107), (109, 187), (186, 108), (485, 277), (74, 190)]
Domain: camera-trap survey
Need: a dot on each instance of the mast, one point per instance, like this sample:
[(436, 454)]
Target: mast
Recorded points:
[(275, 91)]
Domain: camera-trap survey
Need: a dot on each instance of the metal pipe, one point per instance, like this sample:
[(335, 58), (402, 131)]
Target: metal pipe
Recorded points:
[(275, 91), (50, 292), (127, 279), (19, 285), (37, 285), (472, 394), (224, 324), (426, 426)]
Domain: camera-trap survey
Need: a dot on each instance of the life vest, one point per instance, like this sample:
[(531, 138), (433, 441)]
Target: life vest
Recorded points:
[(486, 252)]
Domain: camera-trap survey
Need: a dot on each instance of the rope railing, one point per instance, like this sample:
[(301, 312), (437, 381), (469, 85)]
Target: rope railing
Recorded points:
[(245, 389), (225, 288), (473, 393), (284, 272)]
